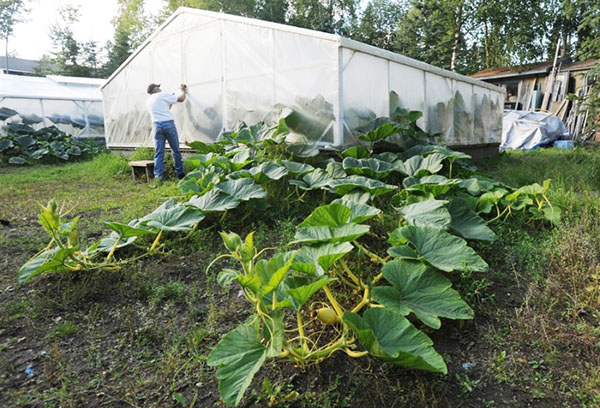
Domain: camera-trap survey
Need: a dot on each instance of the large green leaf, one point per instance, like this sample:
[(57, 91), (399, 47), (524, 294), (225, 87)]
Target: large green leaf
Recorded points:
[(107, 243), (419, 289), (214, 200), (201, 147), (173, 216), (467, 223), (239, 355), (267, 171), (372, 168), (335, 169), (39, 153), (17, 160), (303, 150), (358, 152), (52, 260), (273, 332), (323, 234), (451, 155), (419, 166), (242, 189), (296, 292), (488, 200), (5, 144), (272, 272), (360, 212), (391, 337), (240, 160), (202, 160), (439, 248), (377, 130), (373, 187), (435, 184), (427, 213), (478, 185), (314, 180), (332, 215), (128, 230), (199, 182), (297, 169), (389, 157), (316, 260), (25, 141)]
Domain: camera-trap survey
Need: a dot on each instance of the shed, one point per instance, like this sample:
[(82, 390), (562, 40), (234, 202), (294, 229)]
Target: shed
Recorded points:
[(528, 86), (242, 69), (74, 105)]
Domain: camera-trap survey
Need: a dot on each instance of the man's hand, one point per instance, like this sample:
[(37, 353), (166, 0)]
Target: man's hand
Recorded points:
[(183, 88)]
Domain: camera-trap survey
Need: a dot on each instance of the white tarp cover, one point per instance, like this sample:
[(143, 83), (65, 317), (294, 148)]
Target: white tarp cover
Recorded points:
[(74, 105), (529, 130), (241, 69)]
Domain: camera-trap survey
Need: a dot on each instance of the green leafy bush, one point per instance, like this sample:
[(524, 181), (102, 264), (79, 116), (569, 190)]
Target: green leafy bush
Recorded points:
[(24, 145), (350, 279)]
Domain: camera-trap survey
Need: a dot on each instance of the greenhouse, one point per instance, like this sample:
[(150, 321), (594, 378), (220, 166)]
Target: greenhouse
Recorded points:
[(74, 105), (241, 69)]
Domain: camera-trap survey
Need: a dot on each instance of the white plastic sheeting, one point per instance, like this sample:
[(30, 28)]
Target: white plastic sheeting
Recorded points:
[(530, 130), (74, 105), (241, 69)]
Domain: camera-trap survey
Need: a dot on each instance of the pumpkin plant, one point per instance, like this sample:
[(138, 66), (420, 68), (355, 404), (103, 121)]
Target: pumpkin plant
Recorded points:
[(308, 303)]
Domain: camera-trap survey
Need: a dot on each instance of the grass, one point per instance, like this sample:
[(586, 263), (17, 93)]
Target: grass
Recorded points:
[(141, 336)]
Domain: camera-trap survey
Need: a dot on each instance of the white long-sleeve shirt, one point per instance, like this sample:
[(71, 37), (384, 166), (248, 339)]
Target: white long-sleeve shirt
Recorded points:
[(159, 105)]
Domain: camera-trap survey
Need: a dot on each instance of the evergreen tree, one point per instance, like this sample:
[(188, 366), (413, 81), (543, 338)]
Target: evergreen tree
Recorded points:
[(132, 27), (330, 16), (67, 51), (11, 13), (379, 23)]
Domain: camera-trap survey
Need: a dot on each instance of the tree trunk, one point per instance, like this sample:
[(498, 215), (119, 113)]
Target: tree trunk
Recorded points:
[(486, 45), (457, 29)]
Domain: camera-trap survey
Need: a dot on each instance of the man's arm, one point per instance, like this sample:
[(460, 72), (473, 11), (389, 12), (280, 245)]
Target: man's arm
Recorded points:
[(181, 97)]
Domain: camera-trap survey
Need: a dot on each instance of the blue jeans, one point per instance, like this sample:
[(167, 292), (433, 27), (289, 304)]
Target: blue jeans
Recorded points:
[(166, 131)]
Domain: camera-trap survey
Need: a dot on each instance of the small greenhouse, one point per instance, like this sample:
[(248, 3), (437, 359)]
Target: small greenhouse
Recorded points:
[(74, 105), (242, 69)]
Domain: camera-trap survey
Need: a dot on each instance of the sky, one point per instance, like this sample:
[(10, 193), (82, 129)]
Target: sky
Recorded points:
[(31, 38)]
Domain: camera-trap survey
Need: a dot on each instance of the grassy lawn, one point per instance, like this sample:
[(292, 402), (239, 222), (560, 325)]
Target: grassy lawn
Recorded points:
[(140, 336)]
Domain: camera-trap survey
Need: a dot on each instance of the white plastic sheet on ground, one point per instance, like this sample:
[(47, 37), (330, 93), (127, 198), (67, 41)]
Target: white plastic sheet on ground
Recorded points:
[(242, 69), (529, 130), (74, 105)]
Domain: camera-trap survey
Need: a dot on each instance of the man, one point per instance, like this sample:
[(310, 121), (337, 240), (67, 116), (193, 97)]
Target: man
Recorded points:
[(163, 128)]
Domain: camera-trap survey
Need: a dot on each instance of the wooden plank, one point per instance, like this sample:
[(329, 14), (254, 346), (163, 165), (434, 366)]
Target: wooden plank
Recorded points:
[(141, 163), (143, 168)]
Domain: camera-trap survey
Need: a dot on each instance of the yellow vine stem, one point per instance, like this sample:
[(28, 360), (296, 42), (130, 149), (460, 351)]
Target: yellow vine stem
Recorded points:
[(355, 354), (364, 300), (376, 279), (301, 332), (156, 241), (374, 257), (112, 250), (333, 302), (351, 275), (294, 354)]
